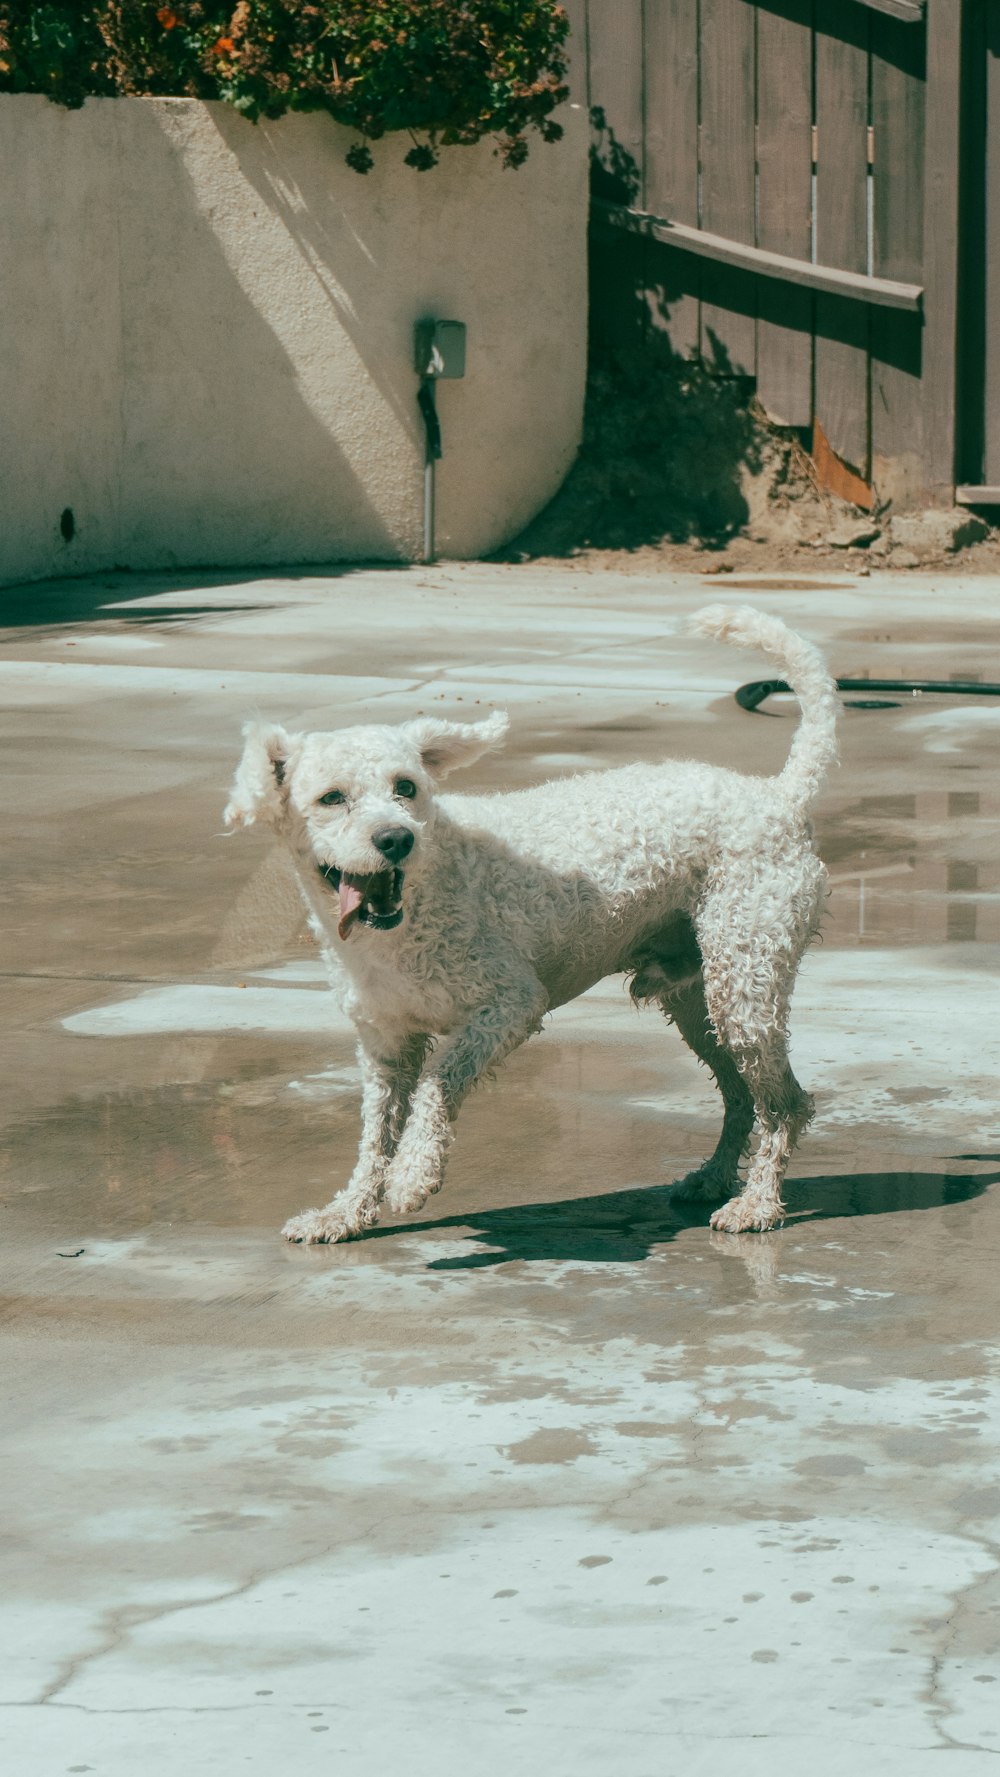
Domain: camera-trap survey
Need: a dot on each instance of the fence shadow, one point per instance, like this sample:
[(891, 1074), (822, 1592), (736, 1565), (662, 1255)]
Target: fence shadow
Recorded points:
[(671, 429), (668, 440)]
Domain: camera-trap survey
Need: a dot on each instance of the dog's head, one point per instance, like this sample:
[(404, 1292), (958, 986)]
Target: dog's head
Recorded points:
[(358, 804)]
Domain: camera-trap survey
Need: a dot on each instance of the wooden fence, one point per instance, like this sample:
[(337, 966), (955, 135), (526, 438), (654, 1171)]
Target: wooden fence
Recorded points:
[(801, 192)]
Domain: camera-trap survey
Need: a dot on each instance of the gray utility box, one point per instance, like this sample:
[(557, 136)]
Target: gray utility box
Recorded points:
[(439, 348)]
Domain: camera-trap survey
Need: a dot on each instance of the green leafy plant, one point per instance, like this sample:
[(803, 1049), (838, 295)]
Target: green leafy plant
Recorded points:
[(54, 49), (445, 71)]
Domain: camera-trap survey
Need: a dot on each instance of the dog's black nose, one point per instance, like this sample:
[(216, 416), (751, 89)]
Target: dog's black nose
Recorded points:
[(395, 843)]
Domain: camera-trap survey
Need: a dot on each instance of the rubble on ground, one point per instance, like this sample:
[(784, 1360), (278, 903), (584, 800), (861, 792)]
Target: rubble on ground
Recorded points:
[(680, 469), (938, 531)]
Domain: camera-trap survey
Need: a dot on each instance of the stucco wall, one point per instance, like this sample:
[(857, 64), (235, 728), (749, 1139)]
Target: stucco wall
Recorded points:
[(207, 338)]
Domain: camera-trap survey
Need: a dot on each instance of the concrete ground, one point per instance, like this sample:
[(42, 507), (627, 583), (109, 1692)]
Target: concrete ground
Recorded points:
[(551, 1479)]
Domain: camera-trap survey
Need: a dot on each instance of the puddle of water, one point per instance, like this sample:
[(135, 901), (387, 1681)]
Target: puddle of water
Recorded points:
[(225, 1150), (919, 868), (927, 635), (777, 585)]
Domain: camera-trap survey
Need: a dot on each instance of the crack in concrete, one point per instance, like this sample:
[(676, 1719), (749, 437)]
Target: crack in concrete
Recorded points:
[(165, 1708), (655, 1732), (120, 1625), (937, 1704), (123, 1622)]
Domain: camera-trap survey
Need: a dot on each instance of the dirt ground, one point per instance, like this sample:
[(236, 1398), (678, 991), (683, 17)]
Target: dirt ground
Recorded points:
[(769, 551), (680, 471)]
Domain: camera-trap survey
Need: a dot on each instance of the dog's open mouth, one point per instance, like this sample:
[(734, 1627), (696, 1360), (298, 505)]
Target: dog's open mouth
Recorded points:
[(375, 900)]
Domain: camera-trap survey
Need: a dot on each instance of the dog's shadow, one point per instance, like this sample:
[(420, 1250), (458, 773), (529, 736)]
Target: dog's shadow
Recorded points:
[(623, 1227)]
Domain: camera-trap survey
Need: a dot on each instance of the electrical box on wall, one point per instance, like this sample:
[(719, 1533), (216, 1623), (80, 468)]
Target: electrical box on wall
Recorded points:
[(440, 348)]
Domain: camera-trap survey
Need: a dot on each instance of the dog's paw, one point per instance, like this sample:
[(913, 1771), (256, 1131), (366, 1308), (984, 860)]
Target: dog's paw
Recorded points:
[(406, 1195), (318, 1227), (406, 1201), (747, 1213)]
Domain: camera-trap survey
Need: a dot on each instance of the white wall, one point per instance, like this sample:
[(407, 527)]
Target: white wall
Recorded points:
[(206, 337)]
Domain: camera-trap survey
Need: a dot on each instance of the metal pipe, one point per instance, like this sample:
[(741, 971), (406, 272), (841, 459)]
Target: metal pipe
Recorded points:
[(429, 491)]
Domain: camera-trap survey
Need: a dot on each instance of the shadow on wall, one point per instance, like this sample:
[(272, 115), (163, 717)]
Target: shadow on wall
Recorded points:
[(221, 438), (293, 183), (669, 433), (164, 420)]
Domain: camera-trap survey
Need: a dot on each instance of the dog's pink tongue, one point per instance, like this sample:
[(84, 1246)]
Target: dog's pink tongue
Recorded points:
[(350, 903)]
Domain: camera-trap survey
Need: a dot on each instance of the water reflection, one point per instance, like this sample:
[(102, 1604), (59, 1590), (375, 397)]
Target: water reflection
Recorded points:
[(210, 1151), (908, 869)]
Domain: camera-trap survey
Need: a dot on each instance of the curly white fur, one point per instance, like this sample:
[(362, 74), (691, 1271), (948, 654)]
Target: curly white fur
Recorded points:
[(699, 883)]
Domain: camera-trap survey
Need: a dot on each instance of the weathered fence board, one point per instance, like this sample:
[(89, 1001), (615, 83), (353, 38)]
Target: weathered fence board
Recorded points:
[(942, 197), (841, 399), (671, 41), (970, 367), (898, 70), (991, 465), (616, 83), (784, 207), (728, 310)]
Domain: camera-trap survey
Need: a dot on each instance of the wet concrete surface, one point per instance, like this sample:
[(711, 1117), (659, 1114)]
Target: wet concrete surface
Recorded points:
[(550, 1477)]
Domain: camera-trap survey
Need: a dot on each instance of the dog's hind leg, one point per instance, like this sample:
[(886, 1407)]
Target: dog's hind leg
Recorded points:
[(782, 1110), (684, 1004), (387, 1089), (668, 972), (750, 963)]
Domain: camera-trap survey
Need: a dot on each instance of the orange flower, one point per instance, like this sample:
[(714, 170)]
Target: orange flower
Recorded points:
[(224, 46), (167, 18)]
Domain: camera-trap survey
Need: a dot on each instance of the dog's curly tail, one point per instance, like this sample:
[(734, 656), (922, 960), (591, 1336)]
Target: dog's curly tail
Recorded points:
[(814, 748)]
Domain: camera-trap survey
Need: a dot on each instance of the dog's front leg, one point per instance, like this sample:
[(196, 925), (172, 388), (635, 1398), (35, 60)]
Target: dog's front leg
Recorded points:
[(387, 1085), (491, 1033)]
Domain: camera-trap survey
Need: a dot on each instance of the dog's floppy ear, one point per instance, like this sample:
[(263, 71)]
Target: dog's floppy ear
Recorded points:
[(259, 789), (444, 746)]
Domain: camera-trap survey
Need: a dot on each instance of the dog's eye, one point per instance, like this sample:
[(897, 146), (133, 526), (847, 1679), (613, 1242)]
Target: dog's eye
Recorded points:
[(331, 797), (406, 787)]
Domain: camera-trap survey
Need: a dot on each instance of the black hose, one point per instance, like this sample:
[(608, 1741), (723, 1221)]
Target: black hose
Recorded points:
[(750, 697), (432, 425)]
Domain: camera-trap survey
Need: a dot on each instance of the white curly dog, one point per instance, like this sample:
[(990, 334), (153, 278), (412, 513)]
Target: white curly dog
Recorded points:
[(454, 923)]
